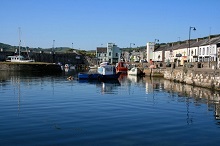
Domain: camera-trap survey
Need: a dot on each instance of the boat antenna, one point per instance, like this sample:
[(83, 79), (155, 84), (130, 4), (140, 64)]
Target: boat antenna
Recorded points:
[(19, 47)]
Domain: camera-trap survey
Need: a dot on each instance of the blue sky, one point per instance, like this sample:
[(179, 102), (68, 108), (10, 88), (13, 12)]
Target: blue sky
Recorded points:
[(89, 23)]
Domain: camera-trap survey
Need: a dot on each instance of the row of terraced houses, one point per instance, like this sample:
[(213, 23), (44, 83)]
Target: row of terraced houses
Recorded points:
[(206, 49)]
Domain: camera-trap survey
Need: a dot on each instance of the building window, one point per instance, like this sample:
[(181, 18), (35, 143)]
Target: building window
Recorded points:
[(116, 54), (110, 53), (203, 51), (200, 51), (207, 51)]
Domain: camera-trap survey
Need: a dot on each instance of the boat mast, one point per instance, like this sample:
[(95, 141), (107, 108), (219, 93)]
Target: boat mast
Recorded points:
[(19, 47)]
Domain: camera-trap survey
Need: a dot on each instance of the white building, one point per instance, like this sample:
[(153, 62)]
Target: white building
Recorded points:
[(199, 50), (101, 54), (207, 52), (113, 53), (110, 54), (149, 51)]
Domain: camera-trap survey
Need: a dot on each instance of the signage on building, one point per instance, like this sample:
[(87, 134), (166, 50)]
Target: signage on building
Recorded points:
[(179, 55)]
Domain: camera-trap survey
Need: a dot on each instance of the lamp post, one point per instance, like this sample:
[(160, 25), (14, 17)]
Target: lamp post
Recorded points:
[(188, 51), (72, 46), (130, 52), (132, 44), (155, 42), (53, 45), (53, 52)]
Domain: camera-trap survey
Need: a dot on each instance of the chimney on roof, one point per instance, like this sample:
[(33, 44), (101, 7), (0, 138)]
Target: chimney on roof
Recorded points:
[(170, 44), (199, 39), (212, 36)]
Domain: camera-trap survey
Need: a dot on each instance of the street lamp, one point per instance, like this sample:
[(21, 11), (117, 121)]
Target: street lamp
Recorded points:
[(53, 45), (53, 57), (132, 44), (188, 53), (155, 42), (72, 46)]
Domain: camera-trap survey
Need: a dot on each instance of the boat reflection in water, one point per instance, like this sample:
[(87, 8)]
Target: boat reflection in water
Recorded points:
[(134, 79), (42, 107), (107, 87)]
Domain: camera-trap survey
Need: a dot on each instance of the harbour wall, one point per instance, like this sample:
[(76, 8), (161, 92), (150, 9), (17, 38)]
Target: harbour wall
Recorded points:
[(30, 67), (201, 74), (207, 78), (51, 57)]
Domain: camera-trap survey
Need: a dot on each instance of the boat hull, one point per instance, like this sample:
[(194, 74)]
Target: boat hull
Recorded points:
[(121, 67), (135, 72)]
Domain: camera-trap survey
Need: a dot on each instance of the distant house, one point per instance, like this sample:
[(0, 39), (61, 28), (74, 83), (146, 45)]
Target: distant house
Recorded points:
[(196, 50), (149, 51), (113, 53), (207, 52), (101, 54), (110, 54)]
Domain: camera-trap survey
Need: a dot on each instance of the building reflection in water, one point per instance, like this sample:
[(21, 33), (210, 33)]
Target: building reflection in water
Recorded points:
[(187, 93), (108, 87)]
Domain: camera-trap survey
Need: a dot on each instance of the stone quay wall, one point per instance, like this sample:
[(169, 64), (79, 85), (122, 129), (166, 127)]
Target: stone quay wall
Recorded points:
[(30, 67), (207, 78), (51, 57)]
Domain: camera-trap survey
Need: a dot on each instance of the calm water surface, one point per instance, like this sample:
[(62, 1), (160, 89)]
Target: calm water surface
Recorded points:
[(51, 110)]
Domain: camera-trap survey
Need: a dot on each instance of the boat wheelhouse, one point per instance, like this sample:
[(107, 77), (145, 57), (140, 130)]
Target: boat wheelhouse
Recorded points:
[(17, 58)]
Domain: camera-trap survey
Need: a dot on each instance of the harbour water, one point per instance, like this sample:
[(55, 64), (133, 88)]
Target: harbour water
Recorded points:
[(51, 110)]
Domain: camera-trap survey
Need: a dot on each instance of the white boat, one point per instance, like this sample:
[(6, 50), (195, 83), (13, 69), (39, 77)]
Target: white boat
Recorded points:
[(105, 72), (18, 58), (106, 69), (135, 71)]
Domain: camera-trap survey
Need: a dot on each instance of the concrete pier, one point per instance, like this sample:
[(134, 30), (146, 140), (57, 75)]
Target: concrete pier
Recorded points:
[(30, 67)]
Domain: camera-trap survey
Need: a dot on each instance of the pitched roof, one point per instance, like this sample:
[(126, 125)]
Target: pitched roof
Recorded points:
[(199, 42), (215, 40), (212, 39)]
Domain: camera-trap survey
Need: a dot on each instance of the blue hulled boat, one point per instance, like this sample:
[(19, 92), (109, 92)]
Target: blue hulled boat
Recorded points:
[(105, 72)]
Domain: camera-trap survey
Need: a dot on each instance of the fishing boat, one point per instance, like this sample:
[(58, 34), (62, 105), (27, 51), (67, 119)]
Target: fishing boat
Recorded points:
[(105, 72), (18, 58), (135, 71), (121, 67)]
